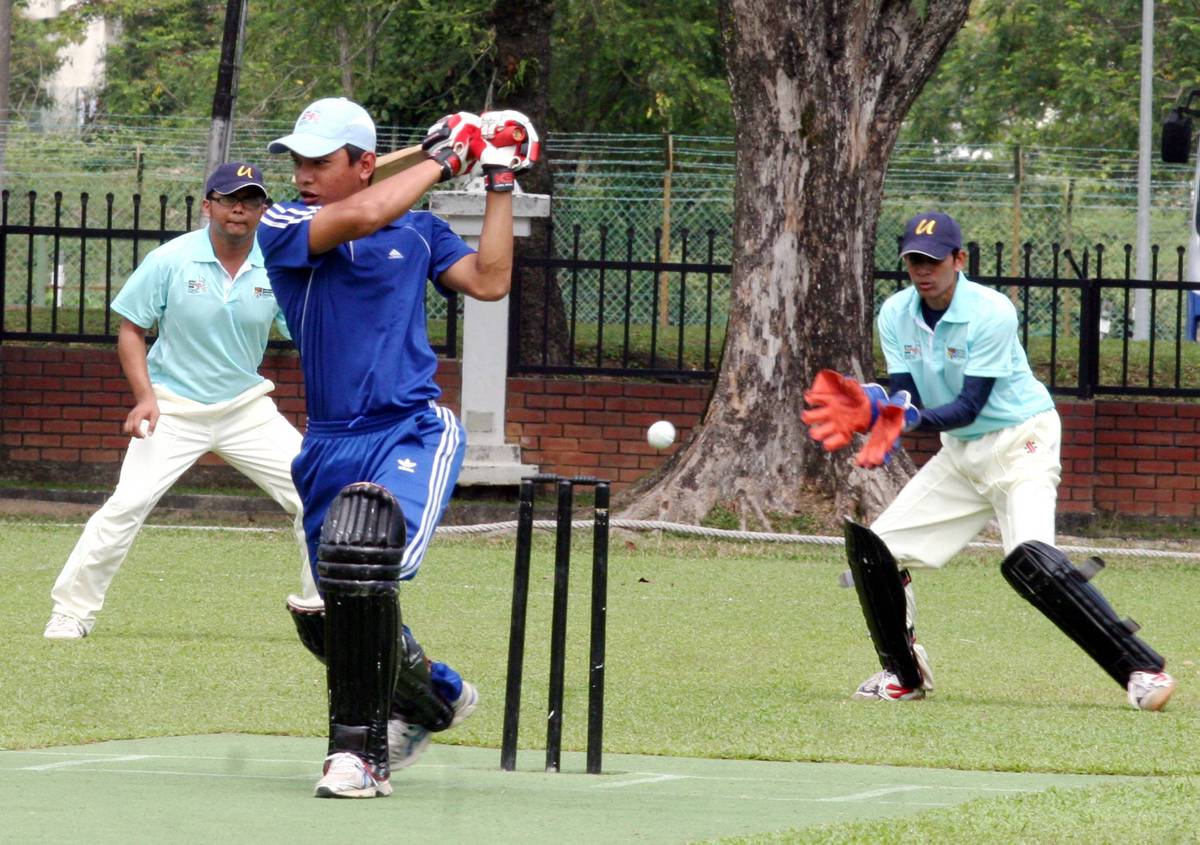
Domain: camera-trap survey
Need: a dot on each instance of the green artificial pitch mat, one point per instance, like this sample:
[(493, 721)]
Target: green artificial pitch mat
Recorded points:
[(235, 788)]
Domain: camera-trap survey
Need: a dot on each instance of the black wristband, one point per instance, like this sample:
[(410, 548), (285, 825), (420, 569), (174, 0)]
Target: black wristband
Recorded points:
[(499, 179), (450, 161)]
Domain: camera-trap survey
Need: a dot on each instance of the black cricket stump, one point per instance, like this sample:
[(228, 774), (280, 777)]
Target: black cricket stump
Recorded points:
[(565, 490)]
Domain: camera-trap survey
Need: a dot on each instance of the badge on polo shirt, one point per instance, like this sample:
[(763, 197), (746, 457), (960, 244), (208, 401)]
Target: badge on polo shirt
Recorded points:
[(196, 286)]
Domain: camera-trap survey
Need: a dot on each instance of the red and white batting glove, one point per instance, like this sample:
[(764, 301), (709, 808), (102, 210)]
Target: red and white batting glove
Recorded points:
[(839, 408), (510, 146), (454, 142)]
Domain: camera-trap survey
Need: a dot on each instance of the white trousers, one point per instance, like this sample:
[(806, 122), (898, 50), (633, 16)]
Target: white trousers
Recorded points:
[(1010, 475), (248, 432)]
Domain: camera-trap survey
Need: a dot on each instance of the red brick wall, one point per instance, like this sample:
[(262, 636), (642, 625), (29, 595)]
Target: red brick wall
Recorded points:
[(61, 409), (596, 426)]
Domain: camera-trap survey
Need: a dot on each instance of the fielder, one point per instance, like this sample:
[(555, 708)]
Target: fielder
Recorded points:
[(956, 366), (198, 389), (350, 262)]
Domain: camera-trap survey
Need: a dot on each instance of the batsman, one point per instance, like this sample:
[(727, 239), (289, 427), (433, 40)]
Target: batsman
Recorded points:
[(956, 366), (350, 263)]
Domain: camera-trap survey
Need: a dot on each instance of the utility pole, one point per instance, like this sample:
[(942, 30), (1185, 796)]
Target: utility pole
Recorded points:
[(1141, 297), (227, 77), (5, 81)]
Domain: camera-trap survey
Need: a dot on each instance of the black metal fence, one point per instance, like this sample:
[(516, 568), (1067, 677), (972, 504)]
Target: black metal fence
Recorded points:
[(630, 311), (58, 278), (638, 303)]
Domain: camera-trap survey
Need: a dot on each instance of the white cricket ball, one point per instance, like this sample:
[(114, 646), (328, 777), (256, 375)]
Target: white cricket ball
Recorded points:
[(661, 434)]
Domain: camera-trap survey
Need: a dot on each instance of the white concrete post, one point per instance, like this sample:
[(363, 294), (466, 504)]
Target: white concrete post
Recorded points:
[(489, 460)]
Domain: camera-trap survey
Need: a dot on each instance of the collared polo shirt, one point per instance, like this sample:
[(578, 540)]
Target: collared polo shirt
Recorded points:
[(977, 336), (357, 312), (211, 337)]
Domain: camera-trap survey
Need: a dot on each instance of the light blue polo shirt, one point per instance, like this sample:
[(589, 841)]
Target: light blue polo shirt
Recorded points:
[(977, 336), (210, 341)]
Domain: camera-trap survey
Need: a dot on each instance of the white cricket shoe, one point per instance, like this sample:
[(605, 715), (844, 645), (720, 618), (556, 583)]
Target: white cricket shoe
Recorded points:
[(406, 743), (886, 686), (1150, 690), (63, 627), (348, 776)]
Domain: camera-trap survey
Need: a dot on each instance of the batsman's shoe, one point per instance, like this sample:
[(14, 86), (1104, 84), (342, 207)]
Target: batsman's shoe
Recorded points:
[(1150, 690), (63, 627), (885, 686), (348, 776), (406, 743)]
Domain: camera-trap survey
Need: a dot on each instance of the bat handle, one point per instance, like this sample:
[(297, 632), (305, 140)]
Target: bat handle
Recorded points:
[(508, 135)]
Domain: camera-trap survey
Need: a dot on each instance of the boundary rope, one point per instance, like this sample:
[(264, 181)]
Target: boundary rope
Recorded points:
[(763, 536), (671, 527)]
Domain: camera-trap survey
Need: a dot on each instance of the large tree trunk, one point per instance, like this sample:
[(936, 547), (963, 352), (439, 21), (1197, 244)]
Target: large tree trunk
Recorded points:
[(522, 79), (819, 93)]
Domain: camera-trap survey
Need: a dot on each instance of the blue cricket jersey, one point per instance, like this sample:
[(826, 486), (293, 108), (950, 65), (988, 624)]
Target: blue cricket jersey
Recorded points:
[(357, 312)]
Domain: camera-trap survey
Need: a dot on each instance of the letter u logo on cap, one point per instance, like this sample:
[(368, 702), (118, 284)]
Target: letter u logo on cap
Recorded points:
[(926, 227), (246, 171)]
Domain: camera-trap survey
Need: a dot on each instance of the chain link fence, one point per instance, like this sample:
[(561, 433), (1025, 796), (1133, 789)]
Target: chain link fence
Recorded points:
[(670, 197)]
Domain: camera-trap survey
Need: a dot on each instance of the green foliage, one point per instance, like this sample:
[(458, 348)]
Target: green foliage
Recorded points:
[(618, 65), (624, 63), (1055, 73), (408, 62), (35, 55), (165, 60)]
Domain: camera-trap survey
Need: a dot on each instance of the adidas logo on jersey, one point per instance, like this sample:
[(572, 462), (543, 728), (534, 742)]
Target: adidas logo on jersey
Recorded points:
[(406, 465), (394, 254)]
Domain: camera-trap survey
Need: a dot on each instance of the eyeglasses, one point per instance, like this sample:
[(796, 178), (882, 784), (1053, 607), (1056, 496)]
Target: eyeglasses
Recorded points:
[(252, 202)]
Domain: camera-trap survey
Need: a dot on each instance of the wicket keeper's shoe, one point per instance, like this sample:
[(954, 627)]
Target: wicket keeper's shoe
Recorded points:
[(885, 686), (63, 627), (406, 743), (348, 776), (1150, 690)]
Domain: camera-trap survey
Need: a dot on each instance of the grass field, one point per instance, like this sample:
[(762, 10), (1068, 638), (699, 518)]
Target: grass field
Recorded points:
[(716, 650)]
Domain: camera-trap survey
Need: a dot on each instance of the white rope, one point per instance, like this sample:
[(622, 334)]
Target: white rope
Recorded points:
[(656, 525), (766, 537)]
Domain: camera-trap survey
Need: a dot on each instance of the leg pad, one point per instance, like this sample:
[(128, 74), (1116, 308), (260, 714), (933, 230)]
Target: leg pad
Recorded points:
[(415, 700), (1046, 579), (358, 568), (310, 624), (880, 586)]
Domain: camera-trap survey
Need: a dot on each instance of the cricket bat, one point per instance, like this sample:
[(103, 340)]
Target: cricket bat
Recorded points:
[(402, 159), (398, 160)]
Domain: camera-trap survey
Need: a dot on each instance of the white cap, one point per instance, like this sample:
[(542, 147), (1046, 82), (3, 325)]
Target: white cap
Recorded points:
[(328, 125)]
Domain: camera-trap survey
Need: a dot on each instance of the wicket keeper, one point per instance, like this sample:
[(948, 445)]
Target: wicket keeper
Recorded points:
[(956, 366)]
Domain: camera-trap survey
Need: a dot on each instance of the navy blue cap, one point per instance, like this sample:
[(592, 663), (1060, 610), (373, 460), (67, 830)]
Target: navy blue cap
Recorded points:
[(233, 176), (933, 233)]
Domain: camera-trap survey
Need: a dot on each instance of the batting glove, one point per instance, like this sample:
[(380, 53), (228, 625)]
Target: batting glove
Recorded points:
[(454, 142), (510, 146)]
